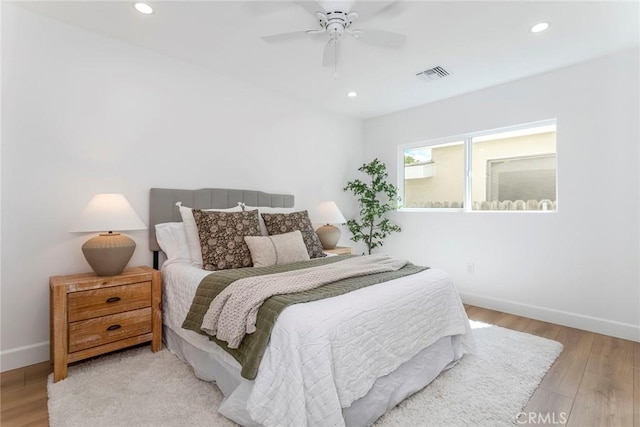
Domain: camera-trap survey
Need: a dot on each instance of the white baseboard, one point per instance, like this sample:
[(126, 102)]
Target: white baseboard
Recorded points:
[(24, 356), (622, 330)]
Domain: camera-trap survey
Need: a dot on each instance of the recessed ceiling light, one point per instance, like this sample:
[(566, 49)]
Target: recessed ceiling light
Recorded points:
[(538, 28), (352, 94), (143, 8)]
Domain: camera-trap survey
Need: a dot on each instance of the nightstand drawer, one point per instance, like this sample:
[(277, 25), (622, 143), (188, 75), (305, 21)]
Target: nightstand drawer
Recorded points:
[(111, 300), (106, 329)]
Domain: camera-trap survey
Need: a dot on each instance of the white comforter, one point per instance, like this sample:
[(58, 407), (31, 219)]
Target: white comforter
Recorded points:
[(326, 354)]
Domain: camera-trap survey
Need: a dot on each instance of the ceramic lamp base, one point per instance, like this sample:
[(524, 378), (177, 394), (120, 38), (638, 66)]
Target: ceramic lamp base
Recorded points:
[(108, 254), (329, 236)]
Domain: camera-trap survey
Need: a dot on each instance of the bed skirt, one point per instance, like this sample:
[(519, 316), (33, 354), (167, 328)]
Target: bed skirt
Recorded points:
[(386, 392)]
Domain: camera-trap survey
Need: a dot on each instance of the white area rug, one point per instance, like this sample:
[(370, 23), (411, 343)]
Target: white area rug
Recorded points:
[(139, 388)]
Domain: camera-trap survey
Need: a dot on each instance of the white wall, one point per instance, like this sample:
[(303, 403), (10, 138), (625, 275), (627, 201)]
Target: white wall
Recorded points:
[(83, 114), (578, 266)]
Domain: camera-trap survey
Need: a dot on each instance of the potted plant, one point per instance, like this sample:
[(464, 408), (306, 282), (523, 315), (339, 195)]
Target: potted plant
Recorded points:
[(376, 197)]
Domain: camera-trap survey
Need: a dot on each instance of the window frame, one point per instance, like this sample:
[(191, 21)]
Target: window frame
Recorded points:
[(467, 140)]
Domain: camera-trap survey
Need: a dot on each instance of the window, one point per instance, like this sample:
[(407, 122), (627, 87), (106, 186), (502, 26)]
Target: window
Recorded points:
[(501, 170), (435, 179)]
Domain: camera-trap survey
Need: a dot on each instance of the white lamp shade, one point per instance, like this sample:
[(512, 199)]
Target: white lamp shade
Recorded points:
[(108, 212), (328, 213)]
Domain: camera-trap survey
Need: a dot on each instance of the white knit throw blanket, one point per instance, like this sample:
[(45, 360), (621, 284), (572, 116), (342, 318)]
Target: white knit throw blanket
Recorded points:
[(233, 313)]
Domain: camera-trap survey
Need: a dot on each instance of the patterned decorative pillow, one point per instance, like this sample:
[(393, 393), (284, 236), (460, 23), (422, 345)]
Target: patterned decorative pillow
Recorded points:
[(222, 238), (190, 227), (266, 209), (281, 223)]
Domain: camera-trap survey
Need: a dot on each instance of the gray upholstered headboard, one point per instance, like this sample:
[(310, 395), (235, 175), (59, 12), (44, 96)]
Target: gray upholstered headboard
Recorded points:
[(162, 204)]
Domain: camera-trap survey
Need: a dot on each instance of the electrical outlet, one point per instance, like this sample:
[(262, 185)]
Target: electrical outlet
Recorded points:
[(471, 267)]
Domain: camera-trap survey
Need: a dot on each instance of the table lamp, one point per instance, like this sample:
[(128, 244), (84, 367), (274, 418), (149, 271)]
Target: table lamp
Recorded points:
[(109, 252), (329, 234)]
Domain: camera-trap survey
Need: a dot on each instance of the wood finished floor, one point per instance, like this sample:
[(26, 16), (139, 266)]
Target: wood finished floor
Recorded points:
[(594, 382)]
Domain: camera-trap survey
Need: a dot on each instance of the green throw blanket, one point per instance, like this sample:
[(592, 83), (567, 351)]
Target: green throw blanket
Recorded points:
[(253, 346)]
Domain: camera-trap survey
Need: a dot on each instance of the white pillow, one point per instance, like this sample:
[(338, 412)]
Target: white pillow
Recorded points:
[(279, 249), (191, 229), (172, 239), (266, 209)]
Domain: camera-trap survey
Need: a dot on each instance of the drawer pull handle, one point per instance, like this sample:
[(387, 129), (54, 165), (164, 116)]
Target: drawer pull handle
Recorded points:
[(113, 327), (113, 299)]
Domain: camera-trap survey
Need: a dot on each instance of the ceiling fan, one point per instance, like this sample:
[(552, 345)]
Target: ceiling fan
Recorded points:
[(335, 19)]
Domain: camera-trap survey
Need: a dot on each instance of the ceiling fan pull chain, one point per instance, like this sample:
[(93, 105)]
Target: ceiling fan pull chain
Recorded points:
[(335, 60)]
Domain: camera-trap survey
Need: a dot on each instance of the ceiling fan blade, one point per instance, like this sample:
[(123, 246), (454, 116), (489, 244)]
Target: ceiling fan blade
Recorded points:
[(330, 54), (381, 37), (310, 6), (367, 9), (316, 32), (294, 35)]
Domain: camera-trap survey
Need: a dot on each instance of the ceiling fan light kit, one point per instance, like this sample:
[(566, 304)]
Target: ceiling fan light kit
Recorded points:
[(336, 23)]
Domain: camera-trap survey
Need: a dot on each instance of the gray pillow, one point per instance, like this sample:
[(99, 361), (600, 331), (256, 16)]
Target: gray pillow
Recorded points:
[(278, 249)]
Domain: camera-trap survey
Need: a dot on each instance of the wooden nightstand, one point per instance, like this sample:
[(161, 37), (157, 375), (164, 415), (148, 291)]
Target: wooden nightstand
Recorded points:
[(93, 315), (339, 250)]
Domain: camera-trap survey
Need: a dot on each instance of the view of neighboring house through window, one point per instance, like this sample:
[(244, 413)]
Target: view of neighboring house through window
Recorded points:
[(502, 170), (434, 176)]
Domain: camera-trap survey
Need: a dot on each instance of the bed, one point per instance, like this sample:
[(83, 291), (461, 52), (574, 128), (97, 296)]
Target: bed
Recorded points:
[(345, 360)]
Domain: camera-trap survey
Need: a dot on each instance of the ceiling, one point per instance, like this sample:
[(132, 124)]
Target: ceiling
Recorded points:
[(480, 43)]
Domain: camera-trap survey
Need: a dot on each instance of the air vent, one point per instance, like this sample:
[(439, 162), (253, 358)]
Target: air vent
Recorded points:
[(434, 73)]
